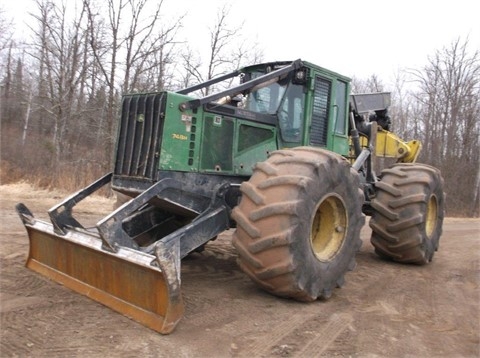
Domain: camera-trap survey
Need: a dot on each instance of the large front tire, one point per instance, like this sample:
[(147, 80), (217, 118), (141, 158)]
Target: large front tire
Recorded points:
[(408, 212), (298, 223)]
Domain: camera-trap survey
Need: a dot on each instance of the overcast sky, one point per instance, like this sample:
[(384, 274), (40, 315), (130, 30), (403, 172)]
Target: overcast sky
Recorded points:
[(353, 37)]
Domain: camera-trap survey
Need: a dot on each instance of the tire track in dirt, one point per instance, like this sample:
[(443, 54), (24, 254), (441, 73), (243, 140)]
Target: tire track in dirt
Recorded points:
[(323, 340), (263, 345), (24, 284), (216, 264), (14, 302), (295, 329), (18, 342), (211, 262), (27, 328)]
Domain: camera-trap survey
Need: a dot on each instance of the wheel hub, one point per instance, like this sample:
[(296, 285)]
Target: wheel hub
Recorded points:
[(431, 216), (329, 228)]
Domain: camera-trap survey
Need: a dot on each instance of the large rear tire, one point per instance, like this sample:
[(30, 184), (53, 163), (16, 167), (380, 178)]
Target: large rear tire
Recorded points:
[(298, 223), (408, 212)]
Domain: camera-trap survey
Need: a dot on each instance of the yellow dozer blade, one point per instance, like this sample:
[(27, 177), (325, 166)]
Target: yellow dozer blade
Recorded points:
[(125, 281)]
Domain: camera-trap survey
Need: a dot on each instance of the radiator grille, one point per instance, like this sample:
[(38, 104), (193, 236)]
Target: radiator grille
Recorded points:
[(321, 104), (139, 135)]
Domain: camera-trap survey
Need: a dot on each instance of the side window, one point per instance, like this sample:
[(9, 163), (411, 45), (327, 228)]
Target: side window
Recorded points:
[(290, 114), (341, 96), (321, 105)]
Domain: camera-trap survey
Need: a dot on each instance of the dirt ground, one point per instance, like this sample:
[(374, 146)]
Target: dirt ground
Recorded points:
[(384, 309)]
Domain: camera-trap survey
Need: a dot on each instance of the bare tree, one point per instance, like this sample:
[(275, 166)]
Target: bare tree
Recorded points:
[(449, 94), (60, 51), (370, 85), (220, 36), (403, 108), (6, 47), (5, 30), (148, 45), (190, 74), (228, 50), (126, 48)]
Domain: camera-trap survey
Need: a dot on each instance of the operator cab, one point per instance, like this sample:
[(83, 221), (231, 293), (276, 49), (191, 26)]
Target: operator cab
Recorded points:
[(284, 99), (309, 104)]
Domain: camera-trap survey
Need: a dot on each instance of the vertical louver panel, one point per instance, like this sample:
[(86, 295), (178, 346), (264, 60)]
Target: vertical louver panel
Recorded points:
[(139, 135), (321, 104)]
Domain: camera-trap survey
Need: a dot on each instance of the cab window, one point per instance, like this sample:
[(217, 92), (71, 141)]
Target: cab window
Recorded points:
[(291, 114)]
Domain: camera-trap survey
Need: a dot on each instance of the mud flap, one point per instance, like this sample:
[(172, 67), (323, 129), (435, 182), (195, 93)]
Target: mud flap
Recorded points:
[(141, 286)]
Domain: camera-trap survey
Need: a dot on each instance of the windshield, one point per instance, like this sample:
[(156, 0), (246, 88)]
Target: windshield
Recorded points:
[(281, 98), (266, 99)]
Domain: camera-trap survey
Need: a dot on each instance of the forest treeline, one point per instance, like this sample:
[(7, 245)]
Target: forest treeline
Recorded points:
[(60, 91)]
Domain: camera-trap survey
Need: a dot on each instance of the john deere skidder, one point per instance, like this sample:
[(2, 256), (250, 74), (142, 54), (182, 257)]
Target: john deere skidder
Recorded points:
[(288, 157)]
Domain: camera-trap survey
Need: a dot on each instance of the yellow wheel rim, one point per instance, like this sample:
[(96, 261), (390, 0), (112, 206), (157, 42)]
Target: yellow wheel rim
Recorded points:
[(431, 216), (329, 228)]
